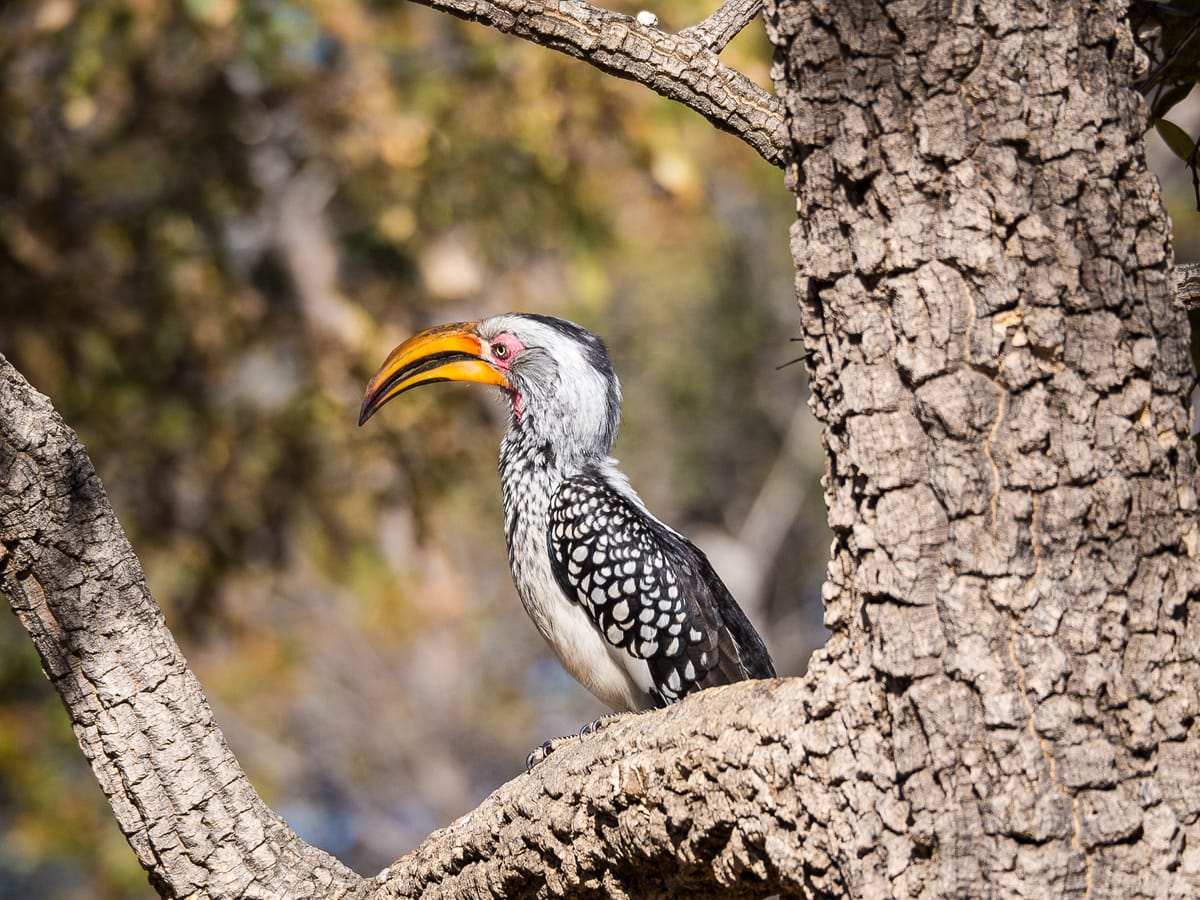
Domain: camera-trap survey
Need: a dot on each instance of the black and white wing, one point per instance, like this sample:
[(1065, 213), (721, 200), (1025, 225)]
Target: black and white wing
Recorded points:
[(650, 591)]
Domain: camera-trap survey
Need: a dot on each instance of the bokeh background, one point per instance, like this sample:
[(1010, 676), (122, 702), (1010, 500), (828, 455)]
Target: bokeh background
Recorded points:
[(216, 219)]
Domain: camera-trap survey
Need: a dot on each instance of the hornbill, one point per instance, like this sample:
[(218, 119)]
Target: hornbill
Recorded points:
[(632, 609)]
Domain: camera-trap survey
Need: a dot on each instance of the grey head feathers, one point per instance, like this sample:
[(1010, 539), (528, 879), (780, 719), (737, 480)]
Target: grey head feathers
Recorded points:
[(564, 386)]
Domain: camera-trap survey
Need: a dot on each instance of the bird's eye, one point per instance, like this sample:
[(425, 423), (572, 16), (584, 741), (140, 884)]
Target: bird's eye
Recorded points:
[(499, 350)]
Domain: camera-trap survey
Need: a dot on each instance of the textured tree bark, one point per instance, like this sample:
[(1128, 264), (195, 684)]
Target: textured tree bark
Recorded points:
[(1003, 379), (1007, 705)]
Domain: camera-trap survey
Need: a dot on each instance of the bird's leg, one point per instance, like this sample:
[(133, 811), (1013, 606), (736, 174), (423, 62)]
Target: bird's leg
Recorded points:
[(596, 724), (539, 753), (549, 747)]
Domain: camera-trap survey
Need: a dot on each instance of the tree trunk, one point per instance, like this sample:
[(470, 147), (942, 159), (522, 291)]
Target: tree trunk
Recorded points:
[(1007, 703), (1012, 683)]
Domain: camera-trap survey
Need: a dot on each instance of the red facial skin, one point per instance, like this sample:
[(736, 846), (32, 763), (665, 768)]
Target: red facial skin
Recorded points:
[(500, 352)]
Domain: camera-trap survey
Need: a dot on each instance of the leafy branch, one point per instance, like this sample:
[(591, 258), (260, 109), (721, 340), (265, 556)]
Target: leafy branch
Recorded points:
[(1169, 36)]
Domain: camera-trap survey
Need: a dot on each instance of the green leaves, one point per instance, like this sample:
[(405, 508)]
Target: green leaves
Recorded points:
[(1169, 36), (1177, 139), (1183, 146)]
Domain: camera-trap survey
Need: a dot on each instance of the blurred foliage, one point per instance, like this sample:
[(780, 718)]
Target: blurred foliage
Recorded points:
[(216, 218), (1169, 34)]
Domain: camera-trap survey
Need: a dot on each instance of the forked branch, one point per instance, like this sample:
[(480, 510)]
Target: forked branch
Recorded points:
[(677, 802), (187, 808), (724, 24)]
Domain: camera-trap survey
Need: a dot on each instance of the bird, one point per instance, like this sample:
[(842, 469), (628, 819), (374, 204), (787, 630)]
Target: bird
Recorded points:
[(633, 610)]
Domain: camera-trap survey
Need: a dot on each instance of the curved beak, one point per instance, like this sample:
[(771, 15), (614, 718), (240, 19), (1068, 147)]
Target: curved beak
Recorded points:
[(450, 352)]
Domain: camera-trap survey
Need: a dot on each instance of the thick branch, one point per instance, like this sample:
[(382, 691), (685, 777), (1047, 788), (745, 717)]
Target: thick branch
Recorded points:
[(680, 67), (1187, 285), (720, 795), (180, 797), (712, 796)]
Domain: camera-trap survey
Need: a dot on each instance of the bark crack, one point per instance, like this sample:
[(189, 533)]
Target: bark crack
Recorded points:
[(997, 484)]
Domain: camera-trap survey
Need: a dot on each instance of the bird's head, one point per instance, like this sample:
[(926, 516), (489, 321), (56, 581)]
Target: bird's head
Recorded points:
[(557, 376)]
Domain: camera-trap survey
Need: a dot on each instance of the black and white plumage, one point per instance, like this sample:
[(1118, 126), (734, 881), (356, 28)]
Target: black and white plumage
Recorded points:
[(632, 609)]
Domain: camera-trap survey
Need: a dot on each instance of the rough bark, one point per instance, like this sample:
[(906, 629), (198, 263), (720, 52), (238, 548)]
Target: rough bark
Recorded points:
[(1007, 705), (726, 23), (1003, 379), (1187, 285)]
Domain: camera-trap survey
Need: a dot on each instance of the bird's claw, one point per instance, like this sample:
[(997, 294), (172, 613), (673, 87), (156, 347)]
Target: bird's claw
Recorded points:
[(539, 753), (595, 725)]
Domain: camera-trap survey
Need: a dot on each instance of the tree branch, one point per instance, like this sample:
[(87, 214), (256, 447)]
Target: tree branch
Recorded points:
[(179, 795), (719, 795), (1187, 285), (681, 67), (710, 797), (724, 24)]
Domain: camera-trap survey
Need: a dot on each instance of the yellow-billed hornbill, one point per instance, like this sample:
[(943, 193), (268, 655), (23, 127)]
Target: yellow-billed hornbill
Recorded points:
[(633, 609)]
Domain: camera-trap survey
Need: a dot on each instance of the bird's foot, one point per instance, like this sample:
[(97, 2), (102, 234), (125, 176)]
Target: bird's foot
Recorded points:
[(539, 753), (596, 724)]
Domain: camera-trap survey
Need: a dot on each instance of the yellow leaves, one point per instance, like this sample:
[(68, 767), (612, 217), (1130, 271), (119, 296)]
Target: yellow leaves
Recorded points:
[(450, 267), (397, 223), (213, 13), (590, 285), (79, 111), (676, 172), (54, 15), (404, 140)]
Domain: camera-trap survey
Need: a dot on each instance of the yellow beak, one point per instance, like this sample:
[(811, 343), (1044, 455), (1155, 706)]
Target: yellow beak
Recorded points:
[(450, 352)]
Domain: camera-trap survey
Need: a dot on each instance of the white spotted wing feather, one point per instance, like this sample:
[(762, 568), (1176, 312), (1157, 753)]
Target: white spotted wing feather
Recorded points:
[(648, 590)]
